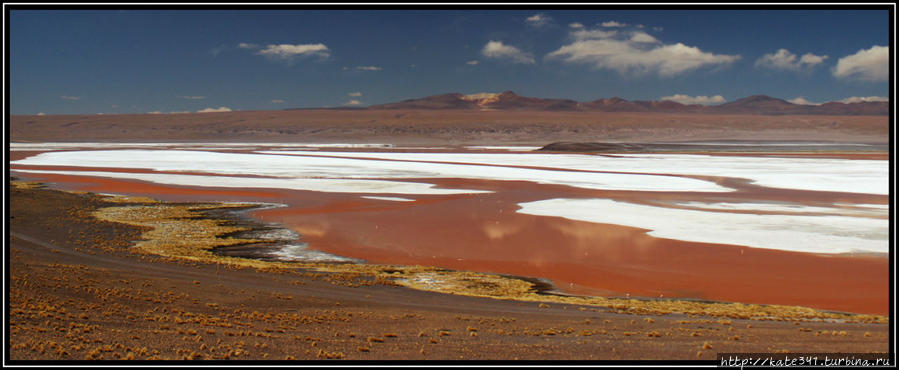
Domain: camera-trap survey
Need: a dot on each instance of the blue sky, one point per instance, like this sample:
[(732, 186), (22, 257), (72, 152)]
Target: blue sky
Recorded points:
[(140, 61)]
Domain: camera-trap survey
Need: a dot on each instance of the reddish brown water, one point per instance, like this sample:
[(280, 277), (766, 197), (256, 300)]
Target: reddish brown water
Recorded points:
[(483, 232)]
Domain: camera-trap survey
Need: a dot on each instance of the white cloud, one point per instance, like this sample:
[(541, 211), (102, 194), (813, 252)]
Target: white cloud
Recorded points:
[(783, 59), (355, 93), (635, 52), (211, 110), (643, 37), (859, 99), (802, 101), (41, 114), (538, 20), (278, 101), (585, 34), (498, 50), (812, 59), (368, 68), (868, 65), (612, 24), (288, 51), (195, 97), (472, 62), (66, 97), (353, 102), (575, 25), (244, 45), (700, 99)]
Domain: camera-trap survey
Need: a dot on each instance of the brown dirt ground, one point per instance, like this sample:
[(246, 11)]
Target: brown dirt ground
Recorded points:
[(76, 293)]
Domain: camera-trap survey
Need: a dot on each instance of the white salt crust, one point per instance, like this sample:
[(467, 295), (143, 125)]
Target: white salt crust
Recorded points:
[(813, 234)]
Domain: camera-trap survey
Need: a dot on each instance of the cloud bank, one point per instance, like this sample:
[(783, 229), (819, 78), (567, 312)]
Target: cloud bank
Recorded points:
[(213, 110), (783, 59), (613, 24), (867, 65), (802, 101), (633, 51), (700, 99), (861, 99)]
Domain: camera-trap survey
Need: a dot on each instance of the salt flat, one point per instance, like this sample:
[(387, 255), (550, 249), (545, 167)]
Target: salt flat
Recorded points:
[(313, 167), (797, 233), (819, 174), (325, 185)]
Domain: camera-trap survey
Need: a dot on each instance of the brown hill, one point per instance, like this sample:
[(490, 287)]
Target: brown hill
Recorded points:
[(506, 100), (859, 109), (444, 101), (756, 104), (761, 104), (615, 104), (510, 100)]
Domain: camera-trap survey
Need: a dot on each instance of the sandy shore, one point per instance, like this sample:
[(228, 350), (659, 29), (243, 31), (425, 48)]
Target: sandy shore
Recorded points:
[(77, 291)]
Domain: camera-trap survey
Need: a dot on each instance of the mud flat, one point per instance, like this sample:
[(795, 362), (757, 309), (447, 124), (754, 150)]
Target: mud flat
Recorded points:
[(82, 289)]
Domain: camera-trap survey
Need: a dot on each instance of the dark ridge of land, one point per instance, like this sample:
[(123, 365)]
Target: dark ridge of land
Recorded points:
[(723, 147)]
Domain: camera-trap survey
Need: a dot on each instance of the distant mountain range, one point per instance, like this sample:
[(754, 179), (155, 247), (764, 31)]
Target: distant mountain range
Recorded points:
[(756, 104)]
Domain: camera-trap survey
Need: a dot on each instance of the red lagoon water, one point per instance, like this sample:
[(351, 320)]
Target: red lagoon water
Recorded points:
[(483, 232)]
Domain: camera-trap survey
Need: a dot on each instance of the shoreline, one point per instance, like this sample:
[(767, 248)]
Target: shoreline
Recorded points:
[(237, 224)]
